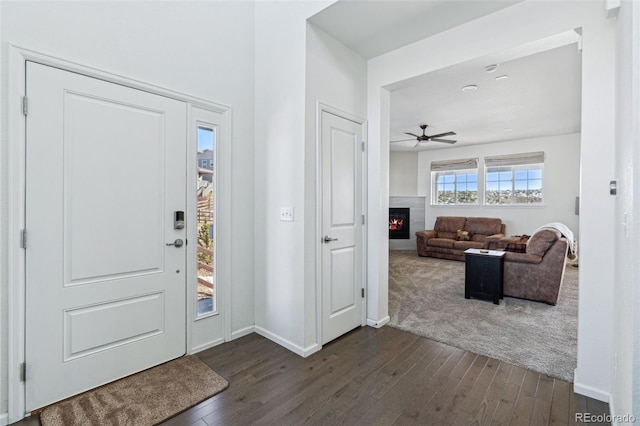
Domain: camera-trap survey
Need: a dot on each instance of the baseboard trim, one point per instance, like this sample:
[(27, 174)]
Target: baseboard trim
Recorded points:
[(243, 332), (378, 323), (612, 411), (589, 391), (4, 419), (284, 342), (206, 346)]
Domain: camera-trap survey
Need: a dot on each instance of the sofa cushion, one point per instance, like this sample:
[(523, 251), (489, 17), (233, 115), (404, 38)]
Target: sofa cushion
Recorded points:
[(449, 224), (542, 241), (463, 245), (441, 242), (479, 237), (447, 235), (483, 225)]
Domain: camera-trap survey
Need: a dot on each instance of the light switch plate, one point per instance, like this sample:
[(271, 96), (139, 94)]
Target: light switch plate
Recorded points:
[(286, 214)]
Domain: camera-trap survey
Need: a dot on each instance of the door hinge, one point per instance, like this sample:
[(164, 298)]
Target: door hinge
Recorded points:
[(25, 105), (23, 372), (362, 292), (362, 146), (23, 238), (363, 219)]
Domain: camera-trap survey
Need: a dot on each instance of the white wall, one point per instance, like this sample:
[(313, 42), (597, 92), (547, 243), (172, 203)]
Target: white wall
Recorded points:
[(337, 77), (521, 23), (625, 392), (200, 48), (280, 113), (403, 173), (561, 183)]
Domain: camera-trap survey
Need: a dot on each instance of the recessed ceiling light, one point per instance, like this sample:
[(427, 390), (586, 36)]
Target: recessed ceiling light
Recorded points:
[(469, 88), (502, 77), (508, 130), (491, 68)]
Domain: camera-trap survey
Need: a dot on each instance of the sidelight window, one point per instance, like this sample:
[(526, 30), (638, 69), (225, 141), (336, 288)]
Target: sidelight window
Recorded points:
[(206, 288)]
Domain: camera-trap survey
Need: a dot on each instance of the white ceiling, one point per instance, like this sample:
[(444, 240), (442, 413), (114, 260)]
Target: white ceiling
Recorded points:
[(541, 97), (374, 27)]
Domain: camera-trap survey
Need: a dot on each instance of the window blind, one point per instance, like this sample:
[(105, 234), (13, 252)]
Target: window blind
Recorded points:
[(514, 159), (467, 163)]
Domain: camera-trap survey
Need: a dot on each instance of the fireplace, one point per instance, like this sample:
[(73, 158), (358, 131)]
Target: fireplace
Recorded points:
[(399, 223)]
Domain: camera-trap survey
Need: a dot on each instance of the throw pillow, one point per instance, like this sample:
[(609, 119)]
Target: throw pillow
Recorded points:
[(516, 247), (463, 235)]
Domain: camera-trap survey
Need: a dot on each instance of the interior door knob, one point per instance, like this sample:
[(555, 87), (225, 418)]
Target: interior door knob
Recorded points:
[(176, 243), (328, 239)]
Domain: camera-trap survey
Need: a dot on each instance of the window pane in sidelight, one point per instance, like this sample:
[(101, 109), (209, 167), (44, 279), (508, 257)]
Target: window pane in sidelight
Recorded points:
[(205, 191)]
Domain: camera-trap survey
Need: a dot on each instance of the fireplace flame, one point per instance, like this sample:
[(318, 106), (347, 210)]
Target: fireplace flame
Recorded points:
[(395, 224)]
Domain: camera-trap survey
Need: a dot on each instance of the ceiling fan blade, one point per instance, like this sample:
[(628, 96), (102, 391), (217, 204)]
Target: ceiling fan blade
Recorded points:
[(442, 134), (417, 143), (403, 140), (442, 140), (411, 134)]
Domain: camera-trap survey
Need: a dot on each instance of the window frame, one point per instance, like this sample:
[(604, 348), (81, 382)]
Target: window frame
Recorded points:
[(539, 166), (435, 192)]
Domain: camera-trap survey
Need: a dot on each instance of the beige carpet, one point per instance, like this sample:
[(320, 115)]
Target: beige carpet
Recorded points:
[(146, 398), (426, 297)]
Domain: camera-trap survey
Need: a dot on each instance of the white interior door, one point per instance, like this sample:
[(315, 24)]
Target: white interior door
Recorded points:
[(342, 286), (105, 171)]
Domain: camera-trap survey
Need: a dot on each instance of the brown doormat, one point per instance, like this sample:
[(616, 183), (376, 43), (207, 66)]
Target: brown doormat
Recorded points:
[(146, 398)]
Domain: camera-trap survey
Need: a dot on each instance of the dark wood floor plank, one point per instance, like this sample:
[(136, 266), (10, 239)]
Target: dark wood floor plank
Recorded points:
[(507, 397), (485, 410), (476, 396), (343, 371), (388, 409), (429, 404), (560, 403), (376, 377), (345, 383), (359, 392)]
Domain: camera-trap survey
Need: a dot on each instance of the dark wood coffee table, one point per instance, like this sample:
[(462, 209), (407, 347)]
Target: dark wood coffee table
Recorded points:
[(483, 274)]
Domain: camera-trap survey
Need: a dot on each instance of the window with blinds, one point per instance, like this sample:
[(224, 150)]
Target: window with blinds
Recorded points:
[(455, 182), (514, 179)]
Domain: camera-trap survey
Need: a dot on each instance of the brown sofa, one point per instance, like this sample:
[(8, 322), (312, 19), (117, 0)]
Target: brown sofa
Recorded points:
[(441, 241), (537, 274)]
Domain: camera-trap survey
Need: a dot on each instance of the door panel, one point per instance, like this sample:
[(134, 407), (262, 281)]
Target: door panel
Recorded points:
[(131, 242), (342, 208), (105, 170)]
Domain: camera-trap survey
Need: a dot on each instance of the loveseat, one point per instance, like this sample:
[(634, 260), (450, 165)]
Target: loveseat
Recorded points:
[(452, 235), (537, 274)]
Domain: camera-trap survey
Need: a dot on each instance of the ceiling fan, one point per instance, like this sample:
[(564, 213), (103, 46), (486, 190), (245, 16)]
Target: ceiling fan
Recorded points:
[(426, 138)]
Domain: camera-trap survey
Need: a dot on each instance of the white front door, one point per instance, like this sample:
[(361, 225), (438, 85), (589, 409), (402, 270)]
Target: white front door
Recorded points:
[(342, 284), (105, 172)]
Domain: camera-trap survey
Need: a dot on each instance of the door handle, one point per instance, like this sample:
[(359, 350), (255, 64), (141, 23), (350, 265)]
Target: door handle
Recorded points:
[(176, 243), (328, 239)]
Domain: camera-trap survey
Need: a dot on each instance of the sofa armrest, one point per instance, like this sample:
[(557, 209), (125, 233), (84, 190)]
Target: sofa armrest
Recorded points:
[(427, 234), (492, 240), (421, 240)]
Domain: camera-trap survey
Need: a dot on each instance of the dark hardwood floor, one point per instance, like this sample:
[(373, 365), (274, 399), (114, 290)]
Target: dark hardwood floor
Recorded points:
[(382, 377)]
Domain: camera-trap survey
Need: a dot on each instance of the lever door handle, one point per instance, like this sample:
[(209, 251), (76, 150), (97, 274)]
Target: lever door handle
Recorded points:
[(328, 239), (176, 243)]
